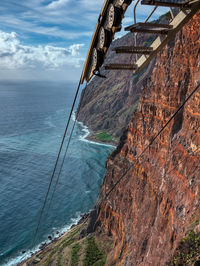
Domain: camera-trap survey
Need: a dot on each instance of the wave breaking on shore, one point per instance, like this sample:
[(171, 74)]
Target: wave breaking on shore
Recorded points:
[(57, 232)]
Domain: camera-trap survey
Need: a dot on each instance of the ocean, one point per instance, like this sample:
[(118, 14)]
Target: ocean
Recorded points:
[(33, 116)]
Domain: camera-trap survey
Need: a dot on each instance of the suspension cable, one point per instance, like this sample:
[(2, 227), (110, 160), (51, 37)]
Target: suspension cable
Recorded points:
[(152, 141), (56, 163), (66, 150)]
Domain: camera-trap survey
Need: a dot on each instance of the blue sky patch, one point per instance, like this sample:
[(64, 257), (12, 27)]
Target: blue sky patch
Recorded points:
[(50, 38)]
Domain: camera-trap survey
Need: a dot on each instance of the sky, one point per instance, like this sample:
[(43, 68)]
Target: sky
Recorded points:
[(49, 39)]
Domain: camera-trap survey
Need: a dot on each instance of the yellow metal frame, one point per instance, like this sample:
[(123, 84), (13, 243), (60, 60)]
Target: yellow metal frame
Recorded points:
[(177, 23), (98, 25)]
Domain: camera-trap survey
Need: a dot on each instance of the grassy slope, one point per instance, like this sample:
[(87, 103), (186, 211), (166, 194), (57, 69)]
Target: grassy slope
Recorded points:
[(73, 250)]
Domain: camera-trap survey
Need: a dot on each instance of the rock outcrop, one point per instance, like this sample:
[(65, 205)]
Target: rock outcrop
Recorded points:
[(157, 198)]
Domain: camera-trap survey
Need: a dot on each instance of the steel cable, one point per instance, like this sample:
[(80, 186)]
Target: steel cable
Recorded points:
[(56, 163), (152, 141), (66, 150)]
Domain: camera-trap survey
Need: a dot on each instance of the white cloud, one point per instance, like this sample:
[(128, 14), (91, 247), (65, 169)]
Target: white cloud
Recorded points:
[(15, 55), (32, 27), (57, 4), (64, 19), (56, 22), (75, 48)]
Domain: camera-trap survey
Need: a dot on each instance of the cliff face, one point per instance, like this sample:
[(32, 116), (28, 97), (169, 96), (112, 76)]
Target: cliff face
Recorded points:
[(155, 203), (153, 206), (108, 103)]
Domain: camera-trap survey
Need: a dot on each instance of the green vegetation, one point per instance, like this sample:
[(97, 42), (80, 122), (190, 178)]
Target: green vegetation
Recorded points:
[(71, 250), (59, 262), (74, 254), (59, 248), (94, 256), (104, 136), (188, 250)]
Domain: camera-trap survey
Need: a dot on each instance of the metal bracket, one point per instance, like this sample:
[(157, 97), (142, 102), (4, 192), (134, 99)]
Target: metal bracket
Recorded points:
[(98, 74)]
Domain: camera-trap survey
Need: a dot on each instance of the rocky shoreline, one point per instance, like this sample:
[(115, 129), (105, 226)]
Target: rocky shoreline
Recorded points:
[(77, 246), (44, 246), (84, 217)]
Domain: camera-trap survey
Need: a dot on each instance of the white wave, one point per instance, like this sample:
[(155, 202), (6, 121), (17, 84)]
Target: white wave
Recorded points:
[(85, 129), (64, 229), (29, 253), (49, 121), (20, 258), (73, 116), (86, 132)]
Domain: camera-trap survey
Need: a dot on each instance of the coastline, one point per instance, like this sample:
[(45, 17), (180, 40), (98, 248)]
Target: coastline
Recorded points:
[(90, 137), (58, 234), (93, 139), (23, 257), (48, 247)]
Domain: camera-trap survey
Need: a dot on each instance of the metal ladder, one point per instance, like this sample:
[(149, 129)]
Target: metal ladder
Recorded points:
[(166, 32)]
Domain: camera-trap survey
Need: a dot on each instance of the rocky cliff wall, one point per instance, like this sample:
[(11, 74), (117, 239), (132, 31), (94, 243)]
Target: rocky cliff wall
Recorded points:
[(108, 103), (153, 206)]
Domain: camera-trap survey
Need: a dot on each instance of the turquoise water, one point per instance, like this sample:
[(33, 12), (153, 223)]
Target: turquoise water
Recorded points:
[(32, 122)]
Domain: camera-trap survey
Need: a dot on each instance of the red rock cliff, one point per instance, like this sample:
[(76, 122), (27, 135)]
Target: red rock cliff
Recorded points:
[(152, 207)]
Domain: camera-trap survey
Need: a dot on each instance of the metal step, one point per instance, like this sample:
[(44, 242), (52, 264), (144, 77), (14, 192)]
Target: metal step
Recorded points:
[(168, 3), (154, 28), (149, 25), (177, 23), (121, 67), (133, 50)]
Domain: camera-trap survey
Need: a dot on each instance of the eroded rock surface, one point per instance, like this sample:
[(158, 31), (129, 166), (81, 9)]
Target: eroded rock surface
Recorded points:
[(154, 204), (108, 103)]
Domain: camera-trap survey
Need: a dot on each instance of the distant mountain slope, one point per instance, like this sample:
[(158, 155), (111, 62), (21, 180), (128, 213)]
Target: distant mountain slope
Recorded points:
[(108, 103)]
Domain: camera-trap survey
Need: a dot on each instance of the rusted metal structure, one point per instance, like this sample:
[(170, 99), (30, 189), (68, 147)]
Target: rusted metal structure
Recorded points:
[(109, 22)]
